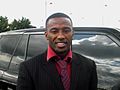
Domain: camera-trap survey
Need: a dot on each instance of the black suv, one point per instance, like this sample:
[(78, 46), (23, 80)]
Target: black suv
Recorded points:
[(97, 43)]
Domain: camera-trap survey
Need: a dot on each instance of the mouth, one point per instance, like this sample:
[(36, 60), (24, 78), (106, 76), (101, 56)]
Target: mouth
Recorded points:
[(61, 44)]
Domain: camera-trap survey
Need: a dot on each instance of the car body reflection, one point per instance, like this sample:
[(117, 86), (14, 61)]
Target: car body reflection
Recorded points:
[(106, 54)]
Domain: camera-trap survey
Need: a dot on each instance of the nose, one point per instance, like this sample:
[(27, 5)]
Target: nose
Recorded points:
[(61, 35)]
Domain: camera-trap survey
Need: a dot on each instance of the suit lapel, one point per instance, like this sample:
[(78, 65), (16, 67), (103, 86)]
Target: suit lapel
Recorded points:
[(50, 68), (75, 71)]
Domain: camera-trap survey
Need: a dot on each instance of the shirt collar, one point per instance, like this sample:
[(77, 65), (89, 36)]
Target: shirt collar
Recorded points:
[(51, 54)]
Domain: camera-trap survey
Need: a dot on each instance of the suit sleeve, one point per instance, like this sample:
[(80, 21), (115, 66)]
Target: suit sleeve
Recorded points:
[(116, 87), (94, 78), (24, 81)]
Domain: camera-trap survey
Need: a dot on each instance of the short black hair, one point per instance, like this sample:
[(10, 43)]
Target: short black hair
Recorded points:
[(55, 15)]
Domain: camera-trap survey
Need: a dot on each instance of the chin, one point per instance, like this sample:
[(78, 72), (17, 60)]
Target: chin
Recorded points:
[(62, 51)]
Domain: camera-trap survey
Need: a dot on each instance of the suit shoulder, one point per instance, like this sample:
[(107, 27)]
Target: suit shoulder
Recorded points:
[(83, 59), (34, 60)]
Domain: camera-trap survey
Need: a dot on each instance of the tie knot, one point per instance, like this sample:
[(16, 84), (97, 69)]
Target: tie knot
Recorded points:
[(62, 64)]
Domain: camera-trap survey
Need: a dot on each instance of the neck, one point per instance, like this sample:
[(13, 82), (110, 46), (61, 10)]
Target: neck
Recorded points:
[(62, 55)]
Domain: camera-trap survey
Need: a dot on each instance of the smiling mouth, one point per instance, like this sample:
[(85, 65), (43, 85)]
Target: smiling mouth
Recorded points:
[(61, 44)]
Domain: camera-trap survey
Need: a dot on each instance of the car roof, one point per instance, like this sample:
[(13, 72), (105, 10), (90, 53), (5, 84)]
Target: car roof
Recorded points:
[(76, 29)]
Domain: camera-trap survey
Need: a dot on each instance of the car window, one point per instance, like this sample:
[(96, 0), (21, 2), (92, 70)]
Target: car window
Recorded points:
[(37, 45), (19, 54), (105, 52), (7, 47)]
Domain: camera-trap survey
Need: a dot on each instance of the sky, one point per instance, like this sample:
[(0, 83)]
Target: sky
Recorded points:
[(83, 12)]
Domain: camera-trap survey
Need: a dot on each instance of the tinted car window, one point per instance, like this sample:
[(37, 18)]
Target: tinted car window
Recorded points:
[(19, 55), (37, 45), (105, 52), (7, 46)]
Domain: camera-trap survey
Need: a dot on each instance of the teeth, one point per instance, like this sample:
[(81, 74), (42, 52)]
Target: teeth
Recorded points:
[(61, 44)]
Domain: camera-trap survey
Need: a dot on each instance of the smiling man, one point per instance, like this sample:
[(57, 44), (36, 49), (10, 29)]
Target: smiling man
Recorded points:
[(58, 68), (59, 34)]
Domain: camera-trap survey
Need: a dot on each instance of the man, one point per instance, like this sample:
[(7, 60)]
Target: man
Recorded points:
[(58, 68)]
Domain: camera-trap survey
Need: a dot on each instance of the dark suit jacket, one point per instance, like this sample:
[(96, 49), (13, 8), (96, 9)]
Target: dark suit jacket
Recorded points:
[(116, 87), (38, 74)]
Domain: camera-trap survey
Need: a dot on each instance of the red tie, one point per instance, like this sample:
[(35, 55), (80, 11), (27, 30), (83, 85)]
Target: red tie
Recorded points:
[(64, 74)]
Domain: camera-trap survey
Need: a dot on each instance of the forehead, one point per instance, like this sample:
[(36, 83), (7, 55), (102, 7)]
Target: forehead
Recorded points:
[(59, 21)]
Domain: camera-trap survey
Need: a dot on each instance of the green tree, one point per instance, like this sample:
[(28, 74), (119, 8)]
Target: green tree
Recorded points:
[(4, 26), (13, 25), (20, 24)]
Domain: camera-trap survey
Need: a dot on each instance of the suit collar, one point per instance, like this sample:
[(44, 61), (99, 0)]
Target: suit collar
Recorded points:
[(75, 59)]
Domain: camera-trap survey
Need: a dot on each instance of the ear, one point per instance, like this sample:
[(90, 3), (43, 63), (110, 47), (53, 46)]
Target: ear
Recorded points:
[(46, 35)]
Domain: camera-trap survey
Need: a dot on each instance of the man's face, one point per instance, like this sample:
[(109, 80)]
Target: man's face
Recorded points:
[(59, 34)]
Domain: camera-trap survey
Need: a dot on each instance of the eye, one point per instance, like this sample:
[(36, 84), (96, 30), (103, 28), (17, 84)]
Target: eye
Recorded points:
[(54, 31), (67, 30)]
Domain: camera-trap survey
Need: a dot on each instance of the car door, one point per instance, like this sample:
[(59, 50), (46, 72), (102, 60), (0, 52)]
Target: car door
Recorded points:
[(8, 43), (105, 51), (18, 57)]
